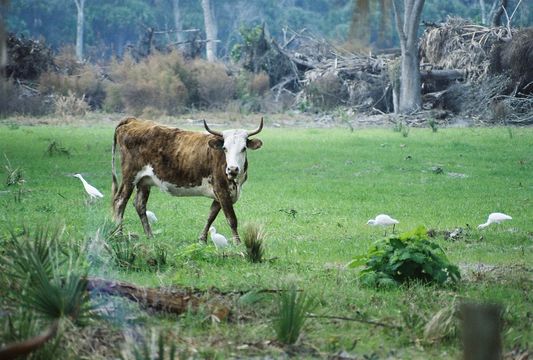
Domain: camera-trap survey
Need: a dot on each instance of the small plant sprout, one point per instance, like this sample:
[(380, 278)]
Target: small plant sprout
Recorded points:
[(291, 312), (91, 190), (253, 240), (495, 218), (433, 124), (219, 240), (14, 176), (383, 220)]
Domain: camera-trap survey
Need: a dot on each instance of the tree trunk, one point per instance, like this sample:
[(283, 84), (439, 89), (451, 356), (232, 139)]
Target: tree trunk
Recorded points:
[(407, 27), (3, 37), (80, 4), (210, 31), (497, 19), (178, 24), (483, 12)]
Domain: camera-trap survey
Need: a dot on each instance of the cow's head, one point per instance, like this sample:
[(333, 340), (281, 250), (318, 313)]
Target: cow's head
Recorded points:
[(234, 144)]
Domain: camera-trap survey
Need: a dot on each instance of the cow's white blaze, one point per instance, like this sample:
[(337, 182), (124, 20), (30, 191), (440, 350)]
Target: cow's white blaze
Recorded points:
[(147, 177), (235, 150)]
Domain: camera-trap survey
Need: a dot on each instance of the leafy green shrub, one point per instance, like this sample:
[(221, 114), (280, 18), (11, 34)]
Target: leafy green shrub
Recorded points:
[(406, 257), (291, 312)]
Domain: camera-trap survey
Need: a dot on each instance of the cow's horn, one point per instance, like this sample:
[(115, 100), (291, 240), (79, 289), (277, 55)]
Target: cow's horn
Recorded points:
[(212, 131), (258, 130)]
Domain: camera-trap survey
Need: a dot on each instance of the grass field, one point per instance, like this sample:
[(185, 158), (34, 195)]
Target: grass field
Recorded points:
[(313, 190)]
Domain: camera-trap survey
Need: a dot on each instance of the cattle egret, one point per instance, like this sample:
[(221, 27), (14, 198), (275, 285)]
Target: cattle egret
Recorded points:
[(383, 220), (495, 218), (151, 216), (91, 190), (219, 240)]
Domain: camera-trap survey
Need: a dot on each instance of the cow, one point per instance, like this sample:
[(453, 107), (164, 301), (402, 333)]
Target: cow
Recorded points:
[(181, 163)]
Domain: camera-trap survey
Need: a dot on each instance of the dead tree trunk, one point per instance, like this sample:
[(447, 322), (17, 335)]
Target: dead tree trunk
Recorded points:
[(80, 5), (178, 24), (407, 27), (3, 37), (210, 30), (482, 326), (497, 19)]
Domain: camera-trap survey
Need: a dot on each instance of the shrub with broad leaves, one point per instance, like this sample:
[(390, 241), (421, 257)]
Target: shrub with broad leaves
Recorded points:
[(404, 258)]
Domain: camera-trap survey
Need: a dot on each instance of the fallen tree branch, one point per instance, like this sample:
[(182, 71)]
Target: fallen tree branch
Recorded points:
[(364, 321), (14, 350)]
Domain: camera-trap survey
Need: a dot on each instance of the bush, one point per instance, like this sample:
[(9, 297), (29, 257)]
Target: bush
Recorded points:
[(86, 82), (14, 100), (70, 105), (155, 81), (253, 240), (209, 83), (404, 258)]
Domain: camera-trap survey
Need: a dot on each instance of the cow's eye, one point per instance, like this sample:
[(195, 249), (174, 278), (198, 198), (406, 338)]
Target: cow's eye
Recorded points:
[(224, 148), (243, 149)]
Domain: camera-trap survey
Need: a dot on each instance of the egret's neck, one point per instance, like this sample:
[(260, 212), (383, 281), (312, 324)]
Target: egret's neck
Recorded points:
[(484, 225)]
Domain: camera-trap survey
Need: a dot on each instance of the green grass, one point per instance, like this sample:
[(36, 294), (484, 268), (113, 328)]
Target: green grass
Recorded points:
[(332, 181)]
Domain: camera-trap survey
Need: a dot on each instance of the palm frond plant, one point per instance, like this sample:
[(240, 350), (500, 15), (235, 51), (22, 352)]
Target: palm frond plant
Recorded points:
[(292, 308)]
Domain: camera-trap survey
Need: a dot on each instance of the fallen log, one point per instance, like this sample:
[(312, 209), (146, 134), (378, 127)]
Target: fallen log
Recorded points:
[(439, 75), (169, 300)]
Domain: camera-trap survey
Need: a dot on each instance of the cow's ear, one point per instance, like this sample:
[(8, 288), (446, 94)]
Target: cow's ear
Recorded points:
[(253, 144), (216, 144)]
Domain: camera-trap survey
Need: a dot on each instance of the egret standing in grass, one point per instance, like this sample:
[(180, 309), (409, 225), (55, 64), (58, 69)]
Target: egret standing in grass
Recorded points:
[(383, 220), (219, 240), (91, 190), (151, 216), (495, 218)]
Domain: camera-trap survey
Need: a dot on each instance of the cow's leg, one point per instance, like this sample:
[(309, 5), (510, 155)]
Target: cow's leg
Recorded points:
[(143, 192), (227, 207), (121, 200), (213, 212)]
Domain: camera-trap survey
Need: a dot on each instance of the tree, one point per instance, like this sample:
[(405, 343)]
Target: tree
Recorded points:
[(497, 19), (3, 45), (178, 23), (360, 25), (210, 30), (410, 98), (80, 5)]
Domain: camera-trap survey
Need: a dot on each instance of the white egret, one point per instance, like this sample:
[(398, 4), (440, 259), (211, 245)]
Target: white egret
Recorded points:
[(151, 216), (495, 218), (383, 220), (219, 240), (91, 190)]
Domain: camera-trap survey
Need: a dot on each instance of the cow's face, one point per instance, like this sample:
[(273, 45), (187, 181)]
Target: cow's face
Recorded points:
[(234, 144)]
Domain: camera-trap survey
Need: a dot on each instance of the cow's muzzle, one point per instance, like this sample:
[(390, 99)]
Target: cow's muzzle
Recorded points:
[(232, 172)]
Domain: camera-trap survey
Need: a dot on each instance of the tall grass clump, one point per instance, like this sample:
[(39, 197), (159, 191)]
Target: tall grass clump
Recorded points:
[(154, 348), (253, 237), (292, 307)]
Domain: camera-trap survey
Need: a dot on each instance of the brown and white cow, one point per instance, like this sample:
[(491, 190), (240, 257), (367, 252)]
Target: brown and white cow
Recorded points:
[(181, 163)]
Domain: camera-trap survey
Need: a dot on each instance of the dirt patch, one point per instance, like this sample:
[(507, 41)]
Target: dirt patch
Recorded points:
[(500, 273)]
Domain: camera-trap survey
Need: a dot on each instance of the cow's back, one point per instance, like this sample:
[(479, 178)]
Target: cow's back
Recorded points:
[(177, 156)]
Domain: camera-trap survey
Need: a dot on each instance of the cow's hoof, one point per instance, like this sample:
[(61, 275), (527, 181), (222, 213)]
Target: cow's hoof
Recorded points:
[(202, 239)]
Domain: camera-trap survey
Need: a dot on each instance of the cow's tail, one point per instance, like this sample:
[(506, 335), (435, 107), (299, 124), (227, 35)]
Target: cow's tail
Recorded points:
[(114, 185)]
